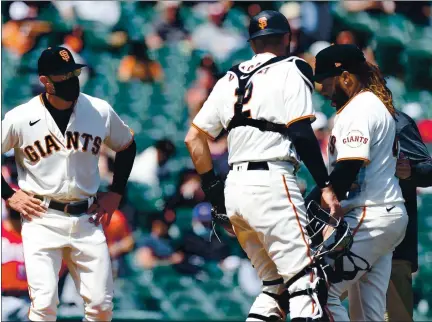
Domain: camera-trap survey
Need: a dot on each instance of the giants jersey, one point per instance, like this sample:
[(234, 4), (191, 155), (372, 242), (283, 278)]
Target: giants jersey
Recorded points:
[(13, 270), (279, 93), (62, 167), (365, 130)]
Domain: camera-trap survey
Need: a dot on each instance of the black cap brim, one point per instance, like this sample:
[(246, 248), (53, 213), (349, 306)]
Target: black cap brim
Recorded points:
[(318, 78), (68, 69), (267, 32)]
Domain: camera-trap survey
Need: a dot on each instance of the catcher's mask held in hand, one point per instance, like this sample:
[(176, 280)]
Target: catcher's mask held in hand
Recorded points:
[(329, 253)]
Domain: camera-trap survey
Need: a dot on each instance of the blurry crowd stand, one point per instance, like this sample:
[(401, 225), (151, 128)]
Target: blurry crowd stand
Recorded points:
[(156, 63)]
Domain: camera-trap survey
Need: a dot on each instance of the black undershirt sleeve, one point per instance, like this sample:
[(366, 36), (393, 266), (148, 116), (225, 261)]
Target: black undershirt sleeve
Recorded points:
[(341, 179), (308, 149), (123, 164), (6, 190)]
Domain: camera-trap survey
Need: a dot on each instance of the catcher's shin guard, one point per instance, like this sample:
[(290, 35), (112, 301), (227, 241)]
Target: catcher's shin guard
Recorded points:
[(317, 290), (266, 306)]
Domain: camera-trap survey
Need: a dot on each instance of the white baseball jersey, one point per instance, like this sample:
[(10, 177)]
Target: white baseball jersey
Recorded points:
[(365, 130), (279, 93), (62, 167)]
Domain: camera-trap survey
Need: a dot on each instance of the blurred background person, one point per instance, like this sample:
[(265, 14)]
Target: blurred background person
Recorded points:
[(148, 164), (15, 298)]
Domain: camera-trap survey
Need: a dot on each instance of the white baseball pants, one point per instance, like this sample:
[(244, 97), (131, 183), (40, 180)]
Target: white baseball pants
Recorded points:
[(377, 233), (83, 246), (268, 215)]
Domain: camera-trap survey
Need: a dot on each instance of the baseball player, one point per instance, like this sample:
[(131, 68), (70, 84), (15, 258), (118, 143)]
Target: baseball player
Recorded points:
[(57, 138), (363, 152), (265, 105)]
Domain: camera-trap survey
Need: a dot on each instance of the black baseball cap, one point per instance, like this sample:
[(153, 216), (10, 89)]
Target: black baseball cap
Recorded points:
[(335, 59), (57, 61), (268, 22)]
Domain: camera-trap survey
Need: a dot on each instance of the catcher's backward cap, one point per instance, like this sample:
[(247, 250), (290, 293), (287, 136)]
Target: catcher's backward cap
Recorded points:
[(268, 22), (57, 61), (333, 60)]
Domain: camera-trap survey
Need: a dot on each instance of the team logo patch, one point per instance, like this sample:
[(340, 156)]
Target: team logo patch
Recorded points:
[(64, 55), (355, 139), (262, 22)]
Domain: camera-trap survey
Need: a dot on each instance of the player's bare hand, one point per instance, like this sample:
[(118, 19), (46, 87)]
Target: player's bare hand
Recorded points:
[(403, 168), (26, 205), (331, 201), (106, 204)]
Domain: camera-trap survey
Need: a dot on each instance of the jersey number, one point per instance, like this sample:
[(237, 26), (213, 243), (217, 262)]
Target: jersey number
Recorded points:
[(247, 97)]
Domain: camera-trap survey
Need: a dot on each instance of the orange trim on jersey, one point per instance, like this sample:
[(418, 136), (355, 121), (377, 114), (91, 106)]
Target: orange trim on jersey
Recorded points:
[(355, 158), (343, 106), (360, 222), (300, 118), (297, 218), (202, 131), (127, 144), (301, 230)]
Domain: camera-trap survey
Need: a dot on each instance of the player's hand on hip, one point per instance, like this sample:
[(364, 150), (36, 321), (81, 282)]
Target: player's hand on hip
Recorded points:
[(403, 167), (106, 204), (26, 205), (331, 202)]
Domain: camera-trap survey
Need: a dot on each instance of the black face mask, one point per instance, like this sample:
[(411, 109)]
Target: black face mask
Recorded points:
[(339, 97), (68, 90)]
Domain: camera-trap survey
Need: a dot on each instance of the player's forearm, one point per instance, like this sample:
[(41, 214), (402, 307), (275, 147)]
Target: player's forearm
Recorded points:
[(6, 190), (308, 149), (196, 143), (123, 164), (344, 175)]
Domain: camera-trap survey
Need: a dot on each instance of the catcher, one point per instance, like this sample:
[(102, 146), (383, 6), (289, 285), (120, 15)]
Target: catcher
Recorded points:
[(269, 131)]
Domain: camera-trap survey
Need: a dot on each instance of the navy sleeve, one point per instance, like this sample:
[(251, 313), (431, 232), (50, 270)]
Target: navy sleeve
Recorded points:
[(412, 146), (341, 179), (6, 190), (308, 149), (123, 164)]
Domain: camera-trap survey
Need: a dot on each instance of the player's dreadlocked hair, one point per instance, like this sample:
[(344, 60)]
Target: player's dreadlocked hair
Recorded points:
[(374, 81)]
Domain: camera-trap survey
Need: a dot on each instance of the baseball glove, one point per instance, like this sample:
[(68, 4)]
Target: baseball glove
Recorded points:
[(220, 218)]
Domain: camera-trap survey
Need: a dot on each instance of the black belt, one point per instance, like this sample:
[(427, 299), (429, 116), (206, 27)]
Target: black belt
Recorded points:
[(16, 293), (71, 208), (261, 165)]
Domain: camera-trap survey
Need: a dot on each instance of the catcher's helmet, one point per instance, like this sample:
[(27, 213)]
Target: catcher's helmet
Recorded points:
[(268, 22)]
